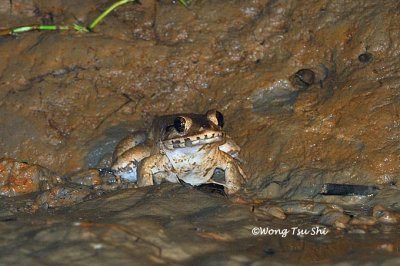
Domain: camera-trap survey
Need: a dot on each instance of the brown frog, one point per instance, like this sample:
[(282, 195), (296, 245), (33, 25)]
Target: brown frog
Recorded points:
[(181, 147)]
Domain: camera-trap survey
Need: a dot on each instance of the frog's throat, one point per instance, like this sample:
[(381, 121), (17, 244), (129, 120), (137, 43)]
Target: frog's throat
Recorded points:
[(195, 140)]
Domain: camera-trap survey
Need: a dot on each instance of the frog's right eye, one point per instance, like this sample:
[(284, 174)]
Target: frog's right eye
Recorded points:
[(182, 124), (216, 118)]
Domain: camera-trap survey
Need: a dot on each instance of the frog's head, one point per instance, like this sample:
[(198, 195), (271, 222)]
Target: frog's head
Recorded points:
[(190, 130)]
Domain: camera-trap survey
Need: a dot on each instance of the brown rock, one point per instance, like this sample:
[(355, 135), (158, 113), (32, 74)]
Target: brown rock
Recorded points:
[(62, 196), (335, 218), (90, 177), (385, 216), (17, 178), (363, 220)]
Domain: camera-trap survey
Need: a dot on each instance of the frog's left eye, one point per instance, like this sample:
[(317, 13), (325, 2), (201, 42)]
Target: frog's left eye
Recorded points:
[(216, 117), (182, 124)]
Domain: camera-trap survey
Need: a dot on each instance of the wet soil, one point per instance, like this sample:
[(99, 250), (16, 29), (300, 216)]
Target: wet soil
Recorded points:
[(147, 225), (310, 92)]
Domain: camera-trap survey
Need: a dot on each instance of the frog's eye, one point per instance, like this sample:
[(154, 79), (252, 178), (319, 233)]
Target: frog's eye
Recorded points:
[(216, 117), (182, 124)]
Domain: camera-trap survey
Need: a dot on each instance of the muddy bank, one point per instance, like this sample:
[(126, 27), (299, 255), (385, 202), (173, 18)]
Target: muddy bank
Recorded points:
[(309, 91), (76, 95), (148, 225)]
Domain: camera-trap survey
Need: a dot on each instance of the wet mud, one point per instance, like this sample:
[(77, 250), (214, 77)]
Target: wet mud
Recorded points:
[(309, 91)]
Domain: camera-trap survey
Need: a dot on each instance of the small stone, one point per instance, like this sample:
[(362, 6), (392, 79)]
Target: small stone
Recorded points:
[(62, 196), (387, 247), (303, 78), (385, 216), (336, 219), (365, 57), (332, 207), (269, 251), (357, 231), (308, 207), (363, 220), (89, 177)]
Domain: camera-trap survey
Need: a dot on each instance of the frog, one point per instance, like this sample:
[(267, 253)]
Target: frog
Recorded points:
[(185, 148)]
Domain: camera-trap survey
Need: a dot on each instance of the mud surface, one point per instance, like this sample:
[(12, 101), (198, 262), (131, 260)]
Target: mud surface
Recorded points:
[(309, 91)]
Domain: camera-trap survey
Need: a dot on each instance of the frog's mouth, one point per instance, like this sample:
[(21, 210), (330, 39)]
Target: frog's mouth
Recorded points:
[(196, 140)]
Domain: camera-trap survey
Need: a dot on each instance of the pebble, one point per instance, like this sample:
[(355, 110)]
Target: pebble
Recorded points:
[(308, 207), (62, 196), (363, 220), (388, 247), (335, 218), (303, 78), (90, 177), (365, 57), (357, 231), (273, 211), (385, 216)]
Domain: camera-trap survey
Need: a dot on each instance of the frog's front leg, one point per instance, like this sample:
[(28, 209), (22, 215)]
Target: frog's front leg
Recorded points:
[(154, 169), (234, 175), (125, 164)]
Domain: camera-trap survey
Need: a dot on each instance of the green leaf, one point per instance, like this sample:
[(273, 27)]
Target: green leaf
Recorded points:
[(184, 2)]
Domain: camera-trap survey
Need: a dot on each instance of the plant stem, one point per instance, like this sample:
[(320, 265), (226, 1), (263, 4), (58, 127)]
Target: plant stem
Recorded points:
[(38, 27), (106, 12)]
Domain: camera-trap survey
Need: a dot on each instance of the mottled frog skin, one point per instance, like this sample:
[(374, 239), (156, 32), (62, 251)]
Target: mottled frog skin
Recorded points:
[(181, 147)]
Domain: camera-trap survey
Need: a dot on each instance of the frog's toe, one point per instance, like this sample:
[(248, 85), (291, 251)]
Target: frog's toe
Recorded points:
[(231, 188)]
